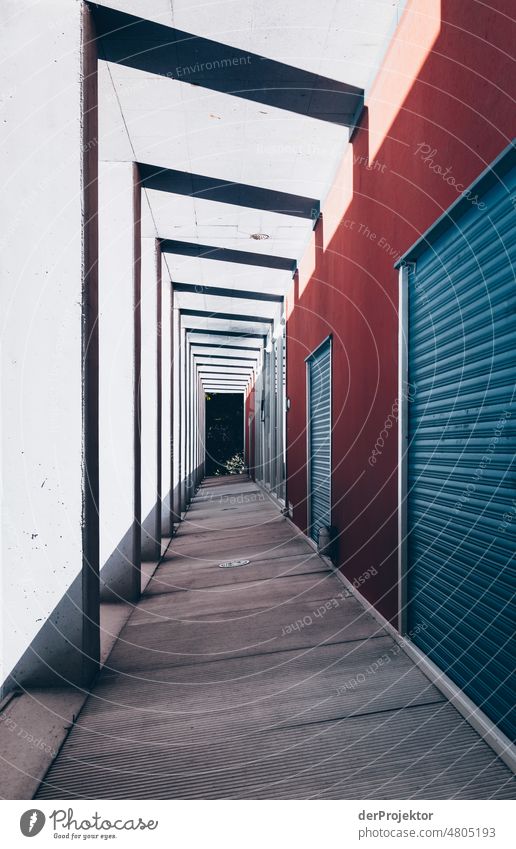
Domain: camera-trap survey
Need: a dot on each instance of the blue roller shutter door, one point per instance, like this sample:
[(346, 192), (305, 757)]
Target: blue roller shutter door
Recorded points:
[(461, 506), (319, 440)]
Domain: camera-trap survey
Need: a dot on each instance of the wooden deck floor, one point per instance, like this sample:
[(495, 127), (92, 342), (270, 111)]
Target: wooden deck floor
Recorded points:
[(263, 681)]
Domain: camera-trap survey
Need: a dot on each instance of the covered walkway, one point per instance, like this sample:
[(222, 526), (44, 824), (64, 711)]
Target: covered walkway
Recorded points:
[(263, 680)]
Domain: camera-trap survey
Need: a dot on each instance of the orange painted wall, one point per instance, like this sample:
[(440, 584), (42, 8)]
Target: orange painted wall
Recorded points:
[(439, 110)]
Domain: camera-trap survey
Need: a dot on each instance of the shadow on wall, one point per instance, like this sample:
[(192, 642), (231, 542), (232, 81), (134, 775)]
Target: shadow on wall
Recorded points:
[(55, 656)]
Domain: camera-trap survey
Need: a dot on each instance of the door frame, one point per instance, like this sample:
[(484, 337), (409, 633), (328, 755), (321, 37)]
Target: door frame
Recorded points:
[(403, 446)]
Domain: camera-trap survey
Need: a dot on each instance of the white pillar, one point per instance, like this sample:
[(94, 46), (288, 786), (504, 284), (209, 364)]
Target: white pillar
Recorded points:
[(119, 288), (188, 423), (193, 423), (183, 436), (167, 446), (49, 391), (176, 416), (150, 402)]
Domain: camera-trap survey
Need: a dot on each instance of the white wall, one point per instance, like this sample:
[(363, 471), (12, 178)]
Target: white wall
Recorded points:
[(40, 305), (117, 364)]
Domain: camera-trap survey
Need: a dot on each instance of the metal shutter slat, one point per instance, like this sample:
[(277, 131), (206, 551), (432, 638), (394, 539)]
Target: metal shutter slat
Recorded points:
[(462, 369), (319, 414)]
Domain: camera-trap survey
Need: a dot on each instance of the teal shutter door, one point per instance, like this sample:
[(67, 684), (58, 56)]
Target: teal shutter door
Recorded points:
[(461, 490), (319, 439)]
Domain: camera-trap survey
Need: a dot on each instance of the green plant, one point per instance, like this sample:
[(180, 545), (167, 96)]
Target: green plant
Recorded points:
[(235, 464)]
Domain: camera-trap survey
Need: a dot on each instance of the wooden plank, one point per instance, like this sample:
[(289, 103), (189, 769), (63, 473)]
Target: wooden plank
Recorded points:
[(231, 548), (426, 752), (185, 574), (277, 596), (250, 694), (263, 681), (228, 521), (155, 646), (223, 531)]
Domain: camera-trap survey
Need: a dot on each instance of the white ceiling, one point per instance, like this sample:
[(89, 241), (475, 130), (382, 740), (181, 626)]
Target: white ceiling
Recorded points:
[(171, 123)]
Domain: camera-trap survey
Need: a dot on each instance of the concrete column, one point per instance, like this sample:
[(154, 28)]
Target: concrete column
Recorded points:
[(150, 395), (176, 416), (159, 392), (90, 583), (119, 327), (201, 431), (198, 427), (188, 421), (167, 445), (49, 361), (198, 450), (200, 437), (183, 435), (193, 421), (188, 387)]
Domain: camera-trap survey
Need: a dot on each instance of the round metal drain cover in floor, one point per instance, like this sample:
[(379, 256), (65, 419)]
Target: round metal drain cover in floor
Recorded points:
[(230, 563)]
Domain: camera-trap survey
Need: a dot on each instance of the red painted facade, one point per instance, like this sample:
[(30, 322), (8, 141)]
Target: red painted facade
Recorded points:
[(438, 113), (249, 435)]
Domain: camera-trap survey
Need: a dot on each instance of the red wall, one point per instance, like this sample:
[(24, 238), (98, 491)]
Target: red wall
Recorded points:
[(249, 449), (444, 83)]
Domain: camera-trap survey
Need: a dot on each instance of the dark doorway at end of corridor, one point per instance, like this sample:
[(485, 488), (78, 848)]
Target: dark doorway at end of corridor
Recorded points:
[(224, 433)]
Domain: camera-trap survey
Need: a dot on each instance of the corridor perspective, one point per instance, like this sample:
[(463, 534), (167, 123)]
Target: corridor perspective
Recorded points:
[(263, 680), (258, 436)]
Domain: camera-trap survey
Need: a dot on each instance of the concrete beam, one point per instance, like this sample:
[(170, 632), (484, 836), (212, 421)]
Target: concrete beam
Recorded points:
[(219, 291), (227, 316), (166, 51), (280, 263), (225, 191)]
